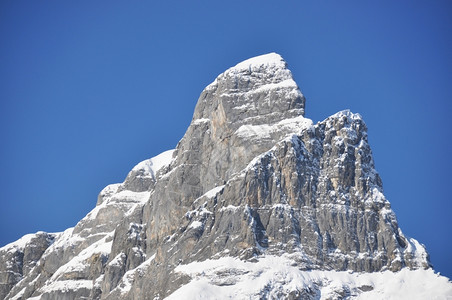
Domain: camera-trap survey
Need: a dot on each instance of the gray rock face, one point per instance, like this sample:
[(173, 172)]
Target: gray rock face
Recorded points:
[(19, 258), (251, 177)]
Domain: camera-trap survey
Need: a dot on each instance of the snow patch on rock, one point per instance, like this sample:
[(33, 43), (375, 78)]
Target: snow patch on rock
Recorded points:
[(151, 166)]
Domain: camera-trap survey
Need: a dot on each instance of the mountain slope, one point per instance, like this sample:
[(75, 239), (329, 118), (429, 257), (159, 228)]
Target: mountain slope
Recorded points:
[(251, 185)]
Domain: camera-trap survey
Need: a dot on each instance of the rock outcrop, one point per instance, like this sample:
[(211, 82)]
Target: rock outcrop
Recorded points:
[(252, 178)]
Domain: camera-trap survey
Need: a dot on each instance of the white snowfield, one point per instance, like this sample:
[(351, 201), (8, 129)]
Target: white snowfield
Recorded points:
[(151, 166), (270, 61), (20, 243), (261, 60), (272, 277), (264, 131)]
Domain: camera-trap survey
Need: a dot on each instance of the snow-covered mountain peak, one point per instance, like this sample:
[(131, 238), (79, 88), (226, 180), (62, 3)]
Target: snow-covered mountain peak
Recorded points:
[(265, 60), (259, 90), (151, 166), (265, 73), (255, 202)]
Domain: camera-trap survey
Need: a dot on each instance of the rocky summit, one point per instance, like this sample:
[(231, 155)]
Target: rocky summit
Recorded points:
[(255, 202)]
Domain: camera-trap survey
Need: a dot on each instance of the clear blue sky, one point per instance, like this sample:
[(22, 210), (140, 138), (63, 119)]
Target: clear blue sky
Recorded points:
[(90, 88)]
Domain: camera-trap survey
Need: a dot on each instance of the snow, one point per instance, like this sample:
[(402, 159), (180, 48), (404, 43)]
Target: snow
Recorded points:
[(261, 60), (20, 244), (133, 197), (213, 192), (127, 280), (64, 240), (124, 201), (129, 196), (65, 286), (282, 206), (19, 295), (246, 106), (196, 225), (284, 84), (255, 161), (288, 83), (81, 262), (166, 175), (290, 137), (118, 260), (273, 276), (346, 113), (255, 131), (153, 165), (264, 131), (110, 189), (200, 121), (273, 61), (416, 249), (230, 208), (377, 196)]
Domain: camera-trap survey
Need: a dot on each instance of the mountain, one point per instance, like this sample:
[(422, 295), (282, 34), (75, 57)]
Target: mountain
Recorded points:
[(255, 202)]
